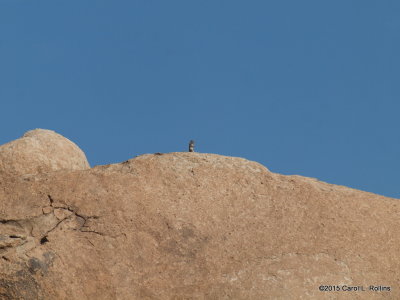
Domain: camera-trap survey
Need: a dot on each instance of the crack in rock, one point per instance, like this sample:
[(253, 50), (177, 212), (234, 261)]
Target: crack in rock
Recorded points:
[(28, 233)]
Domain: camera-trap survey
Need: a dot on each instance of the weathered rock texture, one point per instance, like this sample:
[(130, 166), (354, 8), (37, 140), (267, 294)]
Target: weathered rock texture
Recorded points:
[(40, 151), (192, 226)]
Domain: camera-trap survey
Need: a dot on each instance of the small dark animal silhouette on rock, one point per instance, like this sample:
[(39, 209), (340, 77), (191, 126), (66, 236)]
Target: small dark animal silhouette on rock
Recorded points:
[(191, 146)]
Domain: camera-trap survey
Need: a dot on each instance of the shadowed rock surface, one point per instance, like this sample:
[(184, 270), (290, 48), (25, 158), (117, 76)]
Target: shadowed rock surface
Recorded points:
[(192, 226)]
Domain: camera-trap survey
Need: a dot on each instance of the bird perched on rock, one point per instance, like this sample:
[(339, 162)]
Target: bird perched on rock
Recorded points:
[(191, 146)]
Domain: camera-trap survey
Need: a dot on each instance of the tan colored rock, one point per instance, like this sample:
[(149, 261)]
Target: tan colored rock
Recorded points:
[(40, 151), (47, 209), (61, 213), (193, 226)]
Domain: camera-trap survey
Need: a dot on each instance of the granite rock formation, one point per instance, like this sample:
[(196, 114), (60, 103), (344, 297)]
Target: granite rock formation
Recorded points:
[(40, 151), (192, 226)]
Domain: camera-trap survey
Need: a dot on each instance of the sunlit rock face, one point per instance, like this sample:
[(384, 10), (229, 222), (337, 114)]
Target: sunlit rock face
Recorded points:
[(40, 151), (191, 226)]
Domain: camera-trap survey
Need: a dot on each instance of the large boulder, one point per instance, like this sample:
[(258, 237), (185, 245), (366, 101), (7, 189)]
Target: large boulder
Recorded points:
[(40, 151), (193, 226)]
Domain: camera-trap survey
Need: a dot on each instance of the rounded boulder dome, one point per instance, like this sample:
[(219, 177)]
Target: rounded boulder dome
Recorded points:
[(40, 151)]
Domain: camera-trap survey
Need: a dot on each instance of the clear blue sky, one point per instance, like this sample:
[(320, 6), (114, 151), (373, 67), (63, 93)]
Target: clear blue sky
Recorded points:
[(303, 87)]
